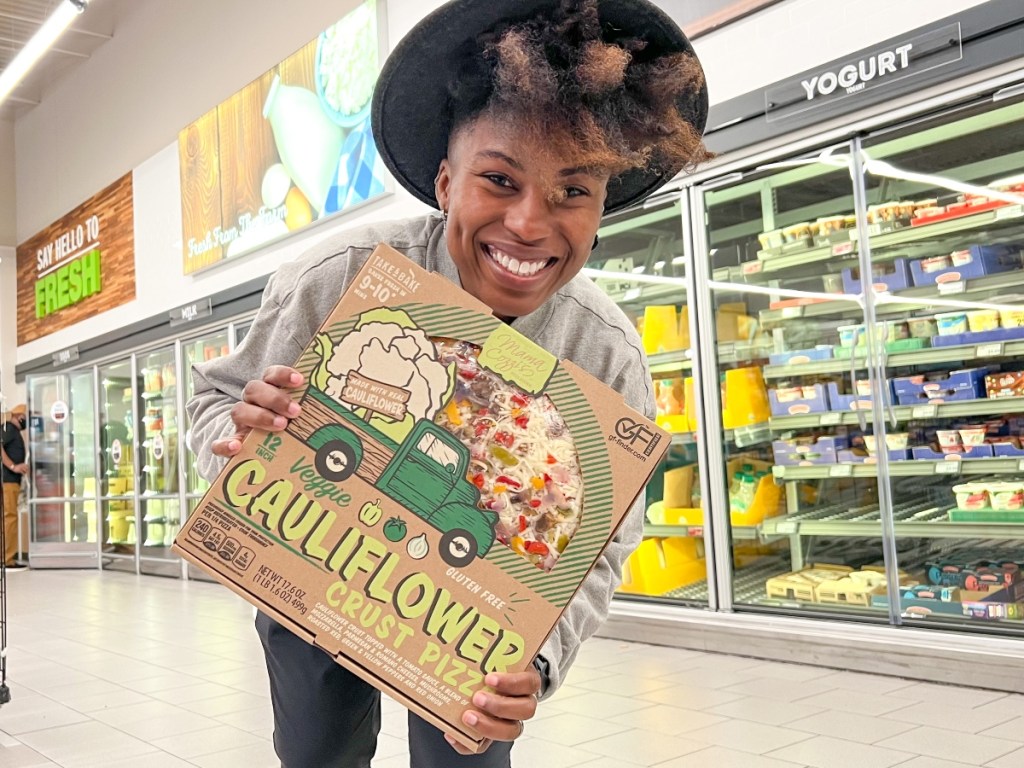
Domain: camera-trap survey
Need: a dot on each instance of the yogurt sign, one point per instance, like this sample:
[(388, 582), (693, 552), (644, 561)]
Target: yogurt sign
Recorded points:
[(853, 77)]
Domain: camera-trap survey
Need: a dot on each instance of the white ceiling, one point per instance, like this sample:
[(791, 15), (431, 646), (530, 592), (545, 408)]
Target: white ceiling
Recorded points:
[(19, 19)]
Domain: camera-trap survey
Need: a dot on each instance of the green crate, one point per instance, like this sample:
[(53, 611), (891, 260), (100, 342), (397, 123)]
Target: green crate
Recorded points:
[(986, 516)]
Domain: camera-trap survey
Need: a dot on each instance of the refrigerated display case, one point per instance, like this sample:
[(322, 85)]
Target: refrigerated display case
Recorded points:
[(953, 405), (884, 275), (110, 473)]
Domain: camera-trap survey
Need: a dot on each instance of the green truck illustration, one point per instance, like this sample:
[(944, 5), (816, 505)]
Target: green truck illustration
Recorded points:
[(366, 427)]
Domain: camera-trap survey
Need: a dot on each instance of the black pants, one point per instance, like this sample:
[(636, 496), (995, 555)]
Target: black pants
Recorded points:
[(326, 717)]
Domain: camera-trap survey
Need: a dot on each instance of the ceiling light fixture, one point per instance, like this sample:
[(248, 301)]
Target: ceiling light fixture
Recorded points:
[(38, 44)]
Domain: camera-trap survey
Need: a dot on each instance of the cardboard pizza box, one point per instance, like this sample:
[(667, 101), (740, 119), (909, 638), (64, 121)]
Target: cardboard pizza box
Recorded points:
[(421, 540)]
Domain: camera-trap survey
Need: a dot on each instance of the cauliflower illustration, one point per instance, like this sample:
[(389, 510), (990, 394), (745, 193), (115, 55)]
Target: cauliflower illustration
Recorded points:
[(387, 347)]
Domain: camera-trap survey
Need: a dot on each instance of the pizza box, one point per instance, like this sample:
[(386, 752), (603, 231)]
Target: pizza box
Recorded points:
[(432, 511)]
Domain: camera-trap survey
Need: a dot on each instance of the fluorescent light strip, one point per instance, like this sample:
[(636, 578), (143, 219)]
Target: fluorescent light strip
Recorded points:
[(40, 43)]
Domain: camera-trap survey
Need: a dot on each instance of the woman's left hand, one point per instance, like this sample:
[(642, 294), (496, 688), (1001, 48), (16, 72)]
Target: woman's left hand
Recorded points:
[(500, 713)]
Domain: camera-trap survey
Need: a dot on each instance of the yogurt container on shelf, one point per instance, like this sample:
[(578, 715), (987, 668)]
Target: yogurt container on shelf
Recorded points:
[(1007, 496), (951, 323), (979, 320), (922, 327), (894, 441), (973, 436), (893, 330), (851, 335), (949, 440), (1012, 318), (936, 264), (961, 258), (972, 496)]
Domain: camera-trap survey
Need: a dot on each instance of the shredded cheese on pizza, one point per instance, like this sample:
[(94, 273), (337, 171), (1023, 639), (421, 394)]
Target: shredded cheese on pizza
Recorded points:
[(522, 456)]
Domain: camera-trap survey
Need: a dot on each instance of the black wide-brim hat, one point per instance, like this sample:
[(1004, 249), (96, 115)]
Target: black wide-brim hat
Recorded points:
[(409, 113)]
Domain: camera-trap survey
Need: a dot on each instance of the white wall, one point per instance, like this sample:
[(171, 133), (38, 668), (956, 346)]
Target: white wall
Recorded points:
[(167, 65), (11, 393), (7, 185), (796, 35)]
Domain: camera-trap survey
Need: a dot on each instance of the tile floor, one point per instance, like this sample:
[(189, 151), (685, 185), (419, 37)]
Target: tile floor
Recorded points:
[(111, 671)]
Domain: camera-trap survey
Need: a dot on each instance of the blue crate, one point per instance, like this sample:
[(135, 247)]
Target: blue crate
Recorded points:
[(985, 260)]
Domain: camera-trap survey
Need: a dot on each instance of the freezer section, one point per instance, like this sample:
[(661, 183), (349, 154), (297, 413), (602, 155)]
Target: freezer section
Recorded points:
[(945, 211)]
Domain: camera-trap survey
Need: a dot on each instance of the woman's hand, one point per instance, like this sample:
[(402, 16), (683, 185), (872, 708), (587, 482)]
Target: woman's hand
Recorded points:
[(264, 405), (501, 713)]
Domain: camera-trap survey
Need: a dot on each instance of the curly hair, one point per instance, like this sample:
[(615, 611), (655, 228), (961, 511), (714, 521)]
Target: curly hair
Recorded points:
[(602, 104)]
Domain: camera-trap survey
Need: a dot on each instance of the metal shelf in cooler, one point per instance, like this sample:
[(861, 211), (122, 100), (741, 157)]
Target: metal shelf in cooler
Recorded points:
[(903, 413), (916, 468), (929, 356), (968, 290), (739, 532), (741, 437), (914, 520)]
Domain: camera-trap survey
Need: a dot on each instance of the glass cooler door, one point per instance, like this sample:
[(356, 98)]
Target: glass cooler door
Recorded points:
[(641, 265), (119, 412), (62, 493), (196, 351), (158, 441), (785, 324), (945, 212)]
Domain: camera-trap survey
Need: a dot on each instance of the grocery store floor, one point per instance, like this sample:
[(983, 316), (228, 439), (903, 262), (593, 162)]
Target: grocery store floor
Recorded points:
[(110, 671)]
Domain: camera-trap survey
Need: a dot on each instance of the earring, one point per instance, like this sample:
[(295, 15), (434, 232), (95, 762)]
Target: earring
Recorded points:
[(596, 241), (444, 219)]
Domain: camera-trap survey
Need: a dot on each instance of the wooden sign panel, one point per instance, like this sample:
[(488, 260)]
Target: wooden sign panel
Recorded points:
[(79, 266)]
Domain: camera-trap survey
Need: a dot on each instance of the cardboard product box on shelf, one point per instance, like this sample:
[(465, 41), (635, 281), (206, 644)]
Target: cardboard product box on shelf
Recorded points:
[(435, 507)]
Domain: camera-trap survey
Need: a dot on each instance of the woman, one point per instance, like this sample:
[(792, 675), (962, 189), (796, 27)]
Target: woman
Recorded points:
[(523, 122)]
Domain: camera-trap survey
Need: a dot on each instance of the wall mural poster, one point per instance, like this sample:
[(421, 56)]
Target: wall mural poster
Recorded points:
[(79, 266), (292, 147)]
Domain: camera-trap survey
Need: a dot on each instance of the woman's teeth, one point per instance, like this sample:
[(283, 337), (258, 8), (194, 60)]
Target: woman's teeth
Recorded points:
[(513, 265)]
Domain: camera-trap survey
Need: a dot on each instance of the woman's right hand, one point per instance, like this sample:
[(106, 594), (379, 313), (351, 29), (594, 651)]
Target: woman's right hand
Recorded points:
[(264, 405)]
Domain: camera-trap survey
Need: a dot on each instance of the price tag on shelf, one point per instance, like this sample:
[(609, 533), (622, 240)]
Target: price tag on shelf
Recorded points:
[(948, 289), (994, 349), (947, 467), (752, 267), (1009, 212), (787, 527), (788, 313), (1020, 465), (830, 419), (778, 471), (840, 470), (632, 294), (843, 249), (924, 411), (695, 531)]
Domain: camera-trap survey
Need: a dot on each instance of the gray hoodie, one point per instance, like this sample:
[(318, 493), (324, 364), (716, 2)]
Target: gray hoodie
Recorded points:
[(578, 323)]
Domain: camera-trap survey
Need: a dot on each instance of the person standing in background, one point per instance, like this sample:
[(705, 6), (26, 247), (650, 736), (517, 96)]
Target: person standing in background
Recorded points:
[(13, 454)]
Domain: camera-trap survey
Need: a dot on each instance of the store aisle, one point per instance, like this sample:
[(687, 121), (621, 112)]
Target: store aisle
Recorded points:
[(110, 671)]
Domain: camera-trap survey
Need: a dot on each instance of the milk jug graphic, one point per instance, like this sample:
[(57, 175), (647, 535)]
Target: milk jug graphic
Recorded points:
[(307, 140)]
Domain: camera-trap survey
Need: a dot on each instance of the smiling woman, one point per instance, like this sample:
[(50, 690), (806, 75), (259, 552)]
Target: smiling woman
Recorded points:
[(524, 123)]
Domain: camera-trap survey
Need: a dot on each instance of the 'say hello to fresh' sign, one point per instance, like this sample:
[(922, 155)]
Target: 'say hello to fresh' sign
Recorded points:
[(80, 265)]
